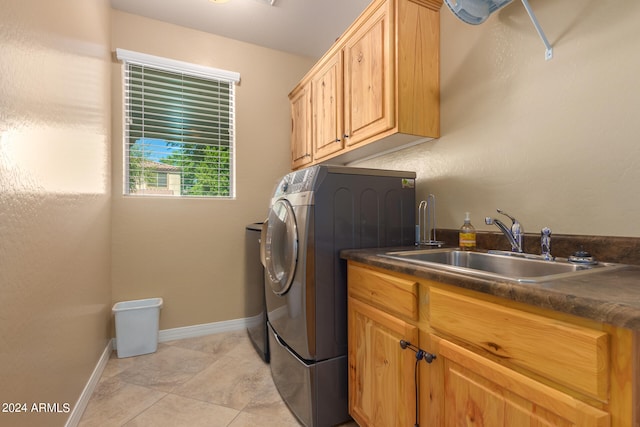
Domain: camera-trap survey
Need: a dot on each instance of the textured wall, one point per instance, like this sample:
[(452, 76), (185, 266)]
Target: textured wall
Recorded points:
[(191, 251), (555, 142), (54, 202)]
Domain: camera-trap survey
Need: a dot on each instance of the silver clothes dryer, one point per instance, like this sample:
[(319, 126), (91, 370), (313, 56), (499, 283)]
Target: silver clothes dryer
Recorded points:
[(314, 214)]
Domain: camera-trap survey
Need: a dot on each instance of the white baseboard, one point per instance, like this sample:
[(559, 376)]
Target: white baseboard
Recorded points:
[(204, 329), (83, 400), (163, 335)]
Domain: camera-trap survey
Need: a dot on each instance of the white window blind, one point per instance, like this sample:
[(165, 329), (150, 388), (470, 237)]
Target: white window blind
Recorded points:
[(179, 128)]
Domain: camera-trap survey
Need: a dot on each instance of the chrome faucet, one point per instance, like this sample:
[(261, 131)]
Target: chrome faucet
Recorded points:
[(514, 234)]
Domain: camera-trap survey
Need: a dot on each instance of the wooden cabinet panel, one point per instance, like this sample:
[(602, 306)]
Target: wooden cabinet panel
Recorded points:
[(368, 78), (327, 108), (381, 373), (395, 295), (479, 392), (418, 68), (301, 127), (571, 355)]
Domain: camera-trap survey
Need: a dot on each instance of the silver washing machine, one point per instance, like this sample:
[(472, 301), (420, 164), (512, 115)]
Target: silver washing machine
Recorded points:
[(255, 303), (314, 214)]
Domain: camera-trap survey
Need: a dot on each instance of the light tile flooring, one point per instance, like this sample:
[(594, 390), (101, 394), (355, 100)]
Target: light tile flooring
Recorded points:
[(215, 381)]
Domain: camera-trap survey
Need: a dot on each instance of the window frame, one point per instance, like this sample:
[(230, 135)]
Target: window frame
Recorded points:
[(188, 69)]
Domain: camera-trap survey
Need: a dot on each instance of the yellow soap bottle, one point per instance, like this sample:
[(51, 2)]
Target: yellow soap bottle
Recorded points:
[(467, 235)]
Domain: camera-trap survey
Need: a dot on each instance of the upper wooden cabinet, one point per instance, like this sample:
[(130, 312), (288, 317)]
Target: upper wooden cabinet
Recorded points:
[(368, 78), (300, 127), (377, 88), (327, 135)]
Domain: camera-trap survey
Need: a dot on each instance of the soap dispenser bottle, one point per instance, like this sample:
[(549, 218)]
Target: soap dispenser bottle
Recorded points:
[(467, 234)]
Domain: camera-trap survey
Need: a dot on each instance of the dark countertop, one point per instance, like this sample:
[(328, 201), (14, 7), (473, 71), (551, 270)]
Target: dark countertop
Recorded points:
[(611, 297)]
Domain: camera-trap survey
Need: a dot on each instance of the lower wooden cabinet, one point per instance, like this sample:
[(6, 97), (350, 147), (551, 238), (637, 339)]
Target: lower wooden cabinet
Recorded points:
[(498, 363), (383, 310), (474, 391), (572, 355), (381, 373)]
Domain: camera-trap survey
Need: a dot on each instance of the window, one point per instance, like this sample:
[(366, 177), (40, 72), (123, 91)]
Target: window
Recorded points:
[(161, 179), (179, 128)]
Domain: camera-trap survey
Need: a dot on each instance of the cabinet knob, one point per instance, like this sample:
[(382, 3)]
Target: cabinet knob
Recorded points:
[(345, 136), (337, 140)]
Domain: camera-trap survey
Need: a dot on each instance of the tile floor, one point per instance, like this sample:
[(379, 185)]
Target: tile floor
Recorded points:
[(215, 381)]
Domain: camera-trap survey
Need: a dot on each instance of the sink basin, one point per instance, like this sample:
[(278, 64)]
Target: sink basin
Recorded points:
[(498, 265)]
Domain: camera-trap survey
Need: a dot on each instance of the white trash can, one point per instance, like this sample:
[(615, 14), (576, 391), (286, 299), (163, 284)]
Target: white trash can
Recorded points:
[(137, 326)]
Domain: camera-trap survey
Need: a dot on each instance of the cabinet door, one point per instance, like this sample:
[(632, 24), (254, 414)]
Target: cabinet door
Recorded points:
[(327, 108), (381, 373), (524, 340), (301, 127), (482, 393), (368, 78)]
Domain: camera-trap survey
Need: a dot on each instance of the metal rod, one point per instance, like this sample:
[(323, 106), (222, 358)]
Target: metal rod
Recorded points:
[(422, 219), (549, 52), (427, 222), (431, 217)]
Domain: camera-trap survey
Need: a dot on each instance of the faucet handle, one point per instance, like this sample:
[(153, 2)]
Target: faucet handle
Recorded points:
[(500, 211), (516, 228)]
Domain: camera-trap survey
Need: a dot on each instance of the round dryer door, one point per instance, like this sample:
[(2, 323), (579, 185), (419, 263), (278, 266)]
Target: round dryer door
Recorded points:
[(281, 246)]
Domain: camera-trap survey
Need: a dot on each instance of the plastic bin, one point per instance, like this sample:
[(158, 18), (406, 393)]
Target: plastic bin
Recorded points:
[(137, 326)]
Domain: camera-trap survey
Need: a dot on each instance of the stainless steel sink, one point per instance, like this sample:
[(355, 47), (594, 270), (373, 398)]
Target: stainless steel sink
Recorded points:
[(498, 265)]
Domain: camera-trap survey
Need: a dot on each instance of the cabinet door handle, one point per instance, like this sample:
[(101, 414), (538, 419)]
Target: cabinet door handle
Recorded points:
[(337, 140), (345, 136)]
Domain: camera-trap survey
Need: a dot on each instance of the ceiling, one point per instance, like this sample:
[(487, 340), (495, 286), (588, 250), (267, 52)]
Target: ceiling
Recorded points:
[(301, 27)]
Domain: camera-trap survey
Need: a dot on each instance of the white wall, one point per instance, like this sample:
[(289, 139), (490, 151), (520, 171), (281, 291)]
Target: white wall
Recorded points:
[(555, 143)]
